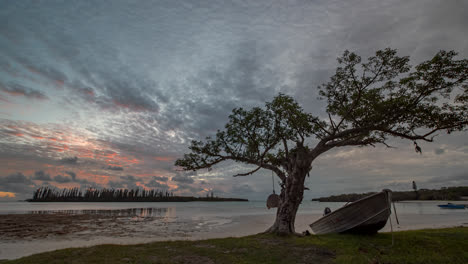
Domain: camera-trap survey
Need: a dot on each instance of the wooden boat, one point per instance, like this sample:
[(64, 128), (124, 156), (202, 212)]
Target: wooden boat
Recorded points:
[(452, 206), (365, 216)]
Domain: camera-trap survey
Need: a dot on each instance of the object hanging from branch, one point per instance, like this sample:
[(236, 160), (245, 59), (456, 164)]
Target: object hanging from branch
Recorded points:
[(417, 148), (273, 199)]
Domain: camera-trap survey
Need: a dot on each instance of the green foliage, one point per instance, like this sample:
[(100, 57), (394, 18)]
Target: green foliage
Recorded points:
[(254, 136), (368, 97), (422, 246), (449, 194)]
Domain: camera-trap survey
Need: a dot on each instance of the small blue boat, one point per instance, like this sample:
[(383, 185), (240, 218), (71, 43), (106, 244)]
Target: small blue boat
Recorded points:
[(452, 206)]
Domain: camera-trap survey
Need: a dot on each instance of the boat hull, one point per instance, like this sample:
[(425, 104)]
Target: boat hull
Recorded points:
[(452, 206), (365, 216)]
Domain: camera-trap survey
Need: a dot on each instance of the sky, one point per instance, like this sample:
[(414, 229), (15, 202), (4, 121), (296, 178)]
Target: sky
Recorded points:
[(110, 93)]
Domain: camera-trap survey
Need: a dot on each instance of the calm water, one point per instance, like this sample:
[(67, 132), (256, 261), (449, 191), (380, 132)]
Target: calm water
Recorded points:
[(201, 209)]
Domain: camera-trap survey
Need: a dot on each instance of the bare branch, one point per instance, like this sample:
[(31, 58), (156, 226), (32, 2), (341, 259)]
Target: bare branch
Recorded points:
[(332, 123), (248, 173), (285, 144), (320, 126), (388, 146)]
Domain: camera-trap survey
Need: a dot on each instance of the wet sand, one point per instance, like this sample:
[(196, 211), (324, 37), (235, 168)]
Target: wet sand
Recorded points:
[(26, 234)]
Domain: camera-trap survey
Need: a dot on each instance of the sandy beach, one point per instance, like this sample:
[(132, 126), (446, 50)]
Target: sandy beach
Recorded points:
[(26, 234)]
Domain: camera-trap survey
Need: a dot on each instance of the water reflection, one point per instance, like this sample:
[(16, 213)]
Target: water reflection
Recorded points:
[(169, 212)]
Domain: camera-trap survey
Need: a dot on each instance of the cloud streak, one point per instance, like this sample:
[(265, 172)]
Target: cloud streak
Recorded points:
[(14, 89)]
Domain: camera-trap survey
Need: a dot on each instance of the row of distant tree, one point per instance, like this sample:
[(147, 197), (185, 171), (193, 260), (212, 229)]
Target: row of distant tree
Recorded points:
[(450, 193), (48, 194)]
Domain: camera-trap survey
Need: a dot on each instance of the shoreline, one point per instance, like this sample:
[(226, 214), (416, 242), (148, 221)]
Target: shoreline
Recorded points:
[(90, 230)]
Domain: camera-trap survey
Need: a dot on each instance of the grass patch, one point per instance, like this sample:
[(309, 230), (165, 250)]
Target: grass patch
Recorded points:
[(422, 246)]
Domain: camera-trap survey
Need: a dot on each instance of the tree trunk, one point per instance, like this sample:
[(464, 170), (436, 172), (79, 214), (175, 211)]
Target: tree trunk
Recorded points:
[(290, 199)]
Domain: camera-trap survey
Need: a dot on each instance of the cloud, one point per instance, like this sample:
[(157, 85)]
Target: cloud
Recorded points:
[(62, 179), (119, 89), (48, 72), (129, 178), (154, 183), (72, 175), (75, 179), (17, 183), (160, 178), (182, 178), (20, 90), (41, 176), (451, 180), (115, 168), (16, 178), (7, 195), (185, 189), (71, 160), (128, 181)]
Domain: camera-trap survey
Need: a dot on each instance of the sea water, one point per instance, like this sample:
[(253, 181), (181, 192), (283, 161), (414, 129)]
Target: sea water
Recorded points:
[(196, 209)]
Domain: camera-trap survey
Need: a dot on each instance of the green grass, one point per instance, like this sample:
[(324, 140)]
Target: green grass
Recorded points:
[(423, 246)]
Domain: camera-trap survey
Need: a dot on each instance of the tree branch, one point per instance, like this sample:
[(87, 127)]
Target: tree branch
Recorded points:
[(332, 123), (248, 173)]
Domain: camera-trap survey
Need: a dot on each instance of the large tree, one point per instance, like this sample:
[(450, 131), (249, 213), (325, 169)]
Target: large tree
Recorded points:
[(367, 104)]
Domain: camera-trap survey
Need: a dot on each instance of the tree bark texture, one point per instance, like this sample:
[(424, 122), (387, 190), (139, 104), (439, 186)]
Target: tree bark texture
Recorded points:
[(291, 197)]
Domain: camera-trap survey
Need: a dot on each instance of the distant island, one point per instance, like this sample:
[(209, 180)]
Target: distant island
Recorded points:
[(445, 193), (47, 194)]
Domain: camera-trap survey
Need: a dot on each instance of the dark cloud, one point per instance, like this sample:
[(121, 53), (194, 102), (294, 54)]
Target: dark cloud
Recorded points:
[(125, 95), (153, 183), (117, 184), (62, 179), (16, 178), (115, 168), (20, 90), (17, 183), (129, 178), (41, 176), (182, 178), (83, 182), (82, 90), (128, 181), (118, 88), (72, 175), (51, 74), (71, 160)]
